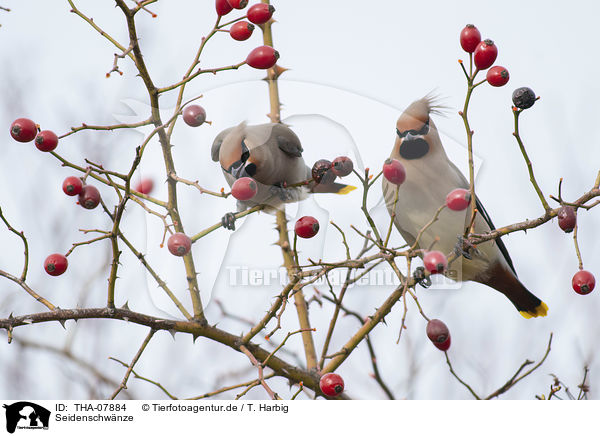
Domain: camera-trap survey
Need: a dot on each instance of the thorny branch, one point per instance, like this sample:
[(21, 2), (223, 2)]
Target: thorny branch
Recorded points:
[(299, 275)]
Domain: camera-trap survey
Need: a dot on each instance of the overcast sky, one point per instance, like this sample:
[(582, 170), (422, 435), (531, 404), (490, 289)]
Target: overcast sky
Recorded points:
[(353, 67)]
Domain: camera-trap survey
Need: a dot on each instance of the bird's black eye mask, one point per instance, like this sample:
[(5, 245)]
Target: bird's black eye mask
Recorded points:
[(422, 131), (414, 146), (243, 158)]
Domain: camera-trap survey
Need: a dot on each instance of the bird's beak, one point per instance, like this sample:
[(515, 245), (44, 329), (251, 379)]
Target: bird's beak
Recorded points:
[(237, 171), (410, 137), (243, 169)]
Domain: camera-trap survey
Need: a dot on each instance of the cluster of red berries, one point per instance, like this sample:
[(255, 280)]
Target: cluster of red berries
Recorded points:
[(262, 57), (25, 130), (88, 198), (325, 171), (484, 55), (583, 281)]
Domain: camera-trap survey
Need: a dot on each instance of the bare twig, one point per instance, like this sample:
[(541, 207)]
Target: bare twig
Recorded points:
[(261, 377), (155, 383), (137, 356), (516, 378), (516, 134)]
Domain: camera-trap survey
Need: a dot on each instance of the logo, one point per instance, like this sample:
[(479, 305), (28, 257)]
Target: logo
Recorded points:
[(26, 415)]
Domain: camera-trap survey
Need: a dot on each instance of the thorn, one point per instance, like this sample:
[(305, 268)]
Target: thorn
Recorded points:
[(125, 306), (172, 331), (195, 336), (62, 323), (278, 71)]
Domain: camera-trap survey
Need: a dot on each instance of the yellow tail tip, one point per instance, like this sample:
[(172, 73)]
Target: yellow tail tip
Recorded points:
[(346, 189), (541, 310)]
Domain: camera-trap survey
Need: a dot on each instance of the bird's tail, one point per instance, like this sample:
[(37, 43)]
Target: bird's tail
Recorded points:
[(528, 305), (332, 188)]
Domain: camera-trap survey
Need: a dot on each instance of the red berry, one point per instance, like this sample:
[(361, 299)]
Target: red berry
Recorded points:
[(241, 31), (342, 166), (567, 219), (244, 188), (260, 13), (194, 115), (238, 4), (179, 244), (56, 264), (23, 130), (331, 384), (583, 282), (72, 186), (497, 76), (306, 227), (145, 186), (46, 140), (485, 54), (394, 171), (262, 57), (458, 199), (222, 7), (438, 333), (89, 197), (435, 262), (469, 38), (322, 172)]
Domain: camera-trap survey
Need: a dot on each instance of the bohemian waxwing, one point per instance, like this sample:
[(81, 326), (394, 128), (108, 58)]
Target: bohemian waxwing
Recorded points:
[(272, 155), (430, 176)]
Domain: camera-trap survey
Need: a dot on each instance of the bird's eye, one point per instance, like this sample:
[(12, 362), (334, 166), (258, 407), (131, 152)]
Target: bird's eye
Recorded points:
[(425, 129), (422, 131)]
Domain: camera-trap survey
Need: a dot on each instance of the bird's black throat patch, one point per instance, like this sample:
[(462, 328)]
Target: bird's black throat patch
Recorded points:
[(414, 148)]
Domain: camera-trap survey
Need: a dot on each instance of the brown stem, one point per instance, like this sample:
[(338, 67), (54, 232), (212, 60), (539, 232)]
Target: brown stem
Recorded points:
[(137, 356), (284, 242), (196, 329), (172, 207), (516, 113), (261, 376)]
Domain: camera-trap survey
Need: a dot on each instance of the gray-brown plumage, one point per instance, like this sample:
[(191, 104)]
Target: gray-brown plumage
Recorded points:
[(430, 176), (272, 155)]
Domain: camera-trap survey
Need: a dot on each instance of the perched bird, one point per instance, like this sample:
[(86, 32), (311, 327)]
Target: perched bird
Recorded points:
[(430, 176), (272, 155)]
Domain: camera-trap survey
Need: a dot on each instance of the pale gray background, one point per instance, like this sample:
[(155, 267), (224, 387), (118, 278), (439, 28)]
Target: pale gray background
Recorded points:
[(354, 66)]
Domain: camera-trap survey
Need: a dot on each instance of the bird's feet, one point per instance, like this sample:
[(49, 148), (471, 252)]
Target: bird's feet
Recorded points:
[(421, 278), (464, 248), (280, 192), (228, 221)]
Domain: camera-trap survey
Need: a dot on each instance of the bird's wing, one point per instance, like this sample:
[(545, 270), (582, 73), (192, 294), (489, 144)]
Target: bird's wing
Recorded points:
[(485, 217), (216, 145), (287, 141), (498, 240)]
